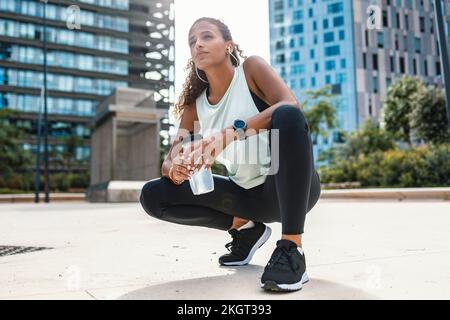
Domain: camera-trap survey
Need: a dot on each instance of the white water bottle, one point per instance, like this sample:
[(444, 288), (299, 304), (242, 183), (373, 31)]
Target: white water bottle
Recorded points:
[(201, 181)]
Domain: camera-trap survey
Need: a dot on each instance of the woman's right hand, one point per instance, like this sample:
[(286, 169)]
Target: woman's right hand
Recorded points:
[(180, 170)]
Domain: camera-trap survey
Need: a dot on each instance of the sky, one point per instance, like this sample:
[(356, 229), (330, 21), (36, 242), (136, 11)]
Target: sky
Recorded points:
[(248, 21)]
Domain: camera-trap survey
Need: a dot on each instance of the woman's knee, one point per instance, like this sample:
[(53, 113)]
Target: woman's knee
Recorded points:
[(288, 115), (151, 197)]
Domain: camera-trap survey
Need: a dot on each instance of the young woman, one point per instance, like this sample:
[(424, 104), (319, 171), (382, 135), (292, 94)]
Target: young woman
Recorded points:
[(238, 100)]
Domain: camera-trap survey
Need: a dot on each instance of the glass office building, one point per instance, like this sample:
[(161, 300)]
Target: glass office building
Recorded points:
[(93, 47), (328, 42)]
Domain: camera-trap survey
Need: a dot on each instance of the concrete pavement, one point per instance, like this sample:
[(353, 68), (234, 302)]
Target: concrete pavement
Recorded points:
[(354, 250)]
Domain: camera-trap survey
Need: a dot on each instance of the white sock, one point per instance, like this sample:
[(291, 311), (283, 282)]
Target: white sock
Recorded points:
[(248, 225)]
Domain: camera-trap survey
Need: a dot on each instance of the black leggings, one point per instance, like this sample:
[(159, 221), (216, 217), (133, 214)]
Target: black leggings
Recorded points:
[(285, 196)]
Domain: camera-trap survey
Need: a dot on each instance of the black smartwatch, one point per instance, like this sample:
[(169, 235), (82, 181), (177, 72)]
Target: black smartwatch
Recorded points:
[(240, 126)]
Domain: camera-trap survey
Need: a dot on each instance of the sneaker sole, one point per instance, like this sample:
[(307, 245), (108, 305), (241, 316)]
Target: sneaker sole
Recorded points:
[(271, 285), (265, 236)]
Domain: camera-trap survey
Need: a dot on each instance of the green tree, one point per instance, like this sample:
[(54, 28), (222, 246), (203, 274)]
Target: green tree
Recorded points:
[(368, 139), (429, 116), (14, 159), (398, 106), (71, 143), (319, 111)]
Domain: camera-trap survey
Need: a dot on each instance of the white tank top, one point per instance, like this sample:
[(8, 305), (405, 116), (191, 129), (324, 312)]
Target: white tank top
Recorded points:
[(247, 161)]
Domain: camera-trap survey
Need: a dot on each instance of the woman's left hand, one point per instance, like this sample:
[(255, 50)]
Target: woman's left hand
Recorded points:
[(205, 151)]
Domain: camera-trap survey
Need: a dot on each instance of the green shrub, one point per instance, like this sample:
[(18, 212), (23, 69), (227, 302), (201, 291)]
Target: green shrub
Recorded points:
[(424, 166), (79, 180)]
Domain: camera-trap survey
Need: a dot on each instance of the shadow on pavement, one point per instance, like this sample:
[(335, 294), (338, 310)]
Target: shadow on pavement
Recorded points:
[(242, 283)]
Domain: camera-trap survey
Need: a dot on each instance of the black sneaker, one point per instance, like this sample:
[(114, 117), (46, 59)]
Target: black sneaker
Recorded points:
[(244, 245), (286, 269)]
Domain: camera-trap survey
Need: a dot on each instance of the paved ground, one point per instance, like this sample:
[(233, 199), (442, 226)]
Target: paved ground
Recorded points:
[(354, 250)]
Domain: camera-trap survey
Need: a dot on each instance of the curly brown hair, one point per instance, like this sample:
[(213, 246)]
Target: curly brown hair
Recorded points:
[(193, 86)]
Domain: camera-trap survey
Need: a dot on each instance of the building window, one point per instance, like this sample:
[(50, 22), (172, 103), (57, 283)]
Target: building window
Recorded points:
[(336, 89), (332, 51), (338, 21), (302, 83), (298, 15), (388, 83), (293, 84), (340, 77), (438, 68), (280, 58), (330, 65), (279, 18), (279, 45), (417, 45), (385, 19), (295, 56), (335, 7), (375, 61), (402, 64), (296, 28), (279, 5), (422, 24), (328, 37), (380, 39), (301, 41)]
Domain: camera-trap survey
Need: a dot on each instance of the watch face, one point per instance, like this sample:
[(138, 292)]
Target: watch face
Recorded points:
[(239, 124)]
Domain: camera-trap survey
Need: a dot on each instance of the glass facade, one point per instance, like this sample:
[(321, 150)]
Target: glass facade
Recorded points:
[(63, 59), (116, 4), (62, 106), (59, 82), (320, 52), (53, 12), (118, 45), (60, 36)]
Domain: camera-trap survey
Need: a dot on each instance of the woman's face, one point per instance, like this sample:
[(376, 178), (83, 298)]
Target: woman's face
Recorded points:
[(207, 44)]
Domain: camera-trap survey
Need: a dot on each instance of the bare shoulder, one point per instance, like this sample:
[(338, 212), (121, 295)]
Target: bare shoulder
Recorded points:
[(253, 63), (266, 79)]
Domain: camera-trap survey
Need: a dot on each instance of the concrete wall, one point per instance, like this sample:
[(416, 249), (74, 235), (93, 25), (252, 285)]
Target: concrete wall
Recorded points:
[(102, 154), (137, 152)]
